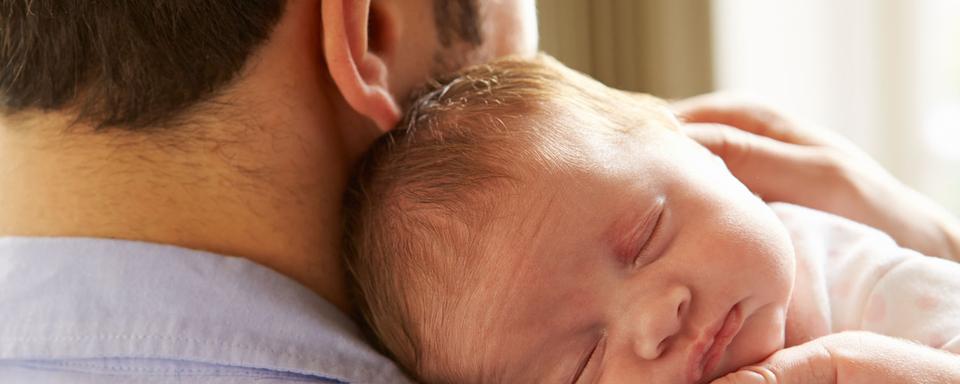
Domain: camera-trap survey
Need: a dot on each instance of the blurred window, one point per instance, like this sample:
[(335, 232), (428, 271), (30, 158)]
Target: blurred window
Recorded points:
[(884, 73)]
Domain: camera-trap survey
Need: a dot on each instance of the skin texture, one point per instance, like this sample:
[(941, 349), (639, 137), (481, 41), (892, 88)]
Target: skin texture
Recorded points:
[(639, 257), (260, 173), (260, 176)]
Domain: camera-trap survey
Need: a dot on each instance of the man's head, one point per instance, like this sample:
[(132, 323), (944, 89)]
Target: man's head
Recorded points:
[(130, 63), (144, 64), (228, 126), (528, 224)]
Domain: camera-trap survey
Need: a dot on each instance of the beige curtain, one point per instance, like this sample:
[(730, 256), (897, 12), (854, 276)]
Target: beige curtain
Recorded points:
[(662, 47)]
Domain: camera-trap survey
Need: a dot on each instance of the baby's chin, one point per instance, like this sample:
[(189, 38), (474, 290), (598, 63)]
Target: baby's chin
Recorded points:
[(760, 337)]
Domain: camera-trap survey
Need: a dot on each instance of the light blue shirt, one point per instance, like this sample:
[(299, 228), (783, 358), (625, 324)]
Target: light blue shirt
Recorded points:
[(75, 310)]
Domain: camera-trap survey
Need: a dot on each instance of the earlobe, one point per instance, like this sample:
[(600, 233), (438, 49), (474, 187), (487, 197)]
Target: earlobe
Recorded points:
[(360, 74)]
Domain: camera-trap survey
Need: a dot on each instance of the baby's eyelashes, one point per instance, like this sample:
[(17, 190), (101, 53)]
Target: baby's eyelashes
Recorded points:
[(631, 233), (647, 252)]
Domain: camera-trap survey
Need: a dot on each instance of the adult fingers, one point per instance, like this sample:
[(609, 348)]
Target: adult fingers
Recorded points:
[(748, 116), (744, 377), (775, 170), (809, 363)]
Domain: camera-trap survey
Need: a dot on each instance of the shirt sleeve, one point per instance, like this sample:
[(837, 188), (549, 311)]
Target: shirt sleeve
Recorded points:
[(874, 285)]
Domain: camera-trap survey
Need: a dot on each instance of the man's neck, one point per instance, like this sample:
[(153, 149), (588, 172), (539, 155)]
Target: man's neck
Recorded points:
[(257, 193)]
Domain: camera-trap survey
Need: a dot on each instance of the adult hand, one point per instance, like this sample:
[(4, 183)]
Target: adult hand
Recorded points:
[(851, 358), (781, 159)]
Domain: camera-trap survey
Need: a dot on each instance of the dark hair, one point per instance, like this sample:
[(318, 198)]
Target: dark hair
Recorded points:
[(131, 63), (141, 63)]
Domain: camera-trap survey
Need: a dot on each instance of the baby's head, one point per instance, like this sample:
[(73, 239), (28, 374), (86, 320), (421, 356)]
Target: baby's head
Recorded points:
[(528, 224)]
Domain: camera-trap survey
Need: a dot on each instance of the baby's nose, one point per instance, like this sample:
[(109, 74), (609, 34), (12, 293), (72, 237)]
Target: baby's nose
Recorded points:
[(660, 322)]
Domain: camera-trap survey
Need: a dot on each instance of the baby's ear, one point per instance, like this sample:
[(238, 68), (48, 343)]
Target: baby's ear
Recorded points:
[(357, 36)]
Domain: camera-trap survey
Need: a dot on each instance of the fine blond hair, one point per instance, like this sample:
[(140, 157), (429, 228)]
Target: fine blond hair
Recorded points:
[(423, 198)]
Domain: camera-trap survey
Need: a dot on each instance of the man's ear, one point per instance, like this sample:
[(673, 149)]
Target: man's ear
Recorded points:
[(360, 71)]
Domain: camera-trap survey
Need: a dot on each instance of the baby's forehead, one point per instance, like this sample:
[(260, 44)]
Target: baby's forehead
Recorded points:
[(583, 140), (612, 114)]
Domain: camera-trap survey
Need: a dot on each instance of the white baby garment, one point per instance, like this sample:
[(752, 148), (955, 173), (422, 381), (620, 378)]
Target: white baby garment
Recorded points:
[(872, 284)]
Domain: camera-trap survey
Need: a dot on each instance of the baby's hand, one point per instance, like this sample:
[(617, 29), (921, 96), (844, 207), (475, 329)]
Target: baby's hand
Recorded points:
[(851, 358)]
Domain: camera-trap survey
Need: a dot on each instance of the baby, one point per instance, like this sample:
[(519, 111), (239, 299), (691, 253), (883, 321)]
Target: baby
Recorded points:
[(526, 224)]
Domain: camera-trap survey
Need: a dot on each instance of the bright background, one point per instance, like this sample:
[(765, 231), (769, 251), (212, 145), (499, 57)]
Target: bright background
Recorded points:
[(885, 73)]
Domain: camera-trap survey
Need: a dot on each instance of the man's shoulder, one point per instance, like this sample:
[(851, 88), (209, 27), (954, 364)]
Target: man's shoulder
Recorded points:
[(82, 306)]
